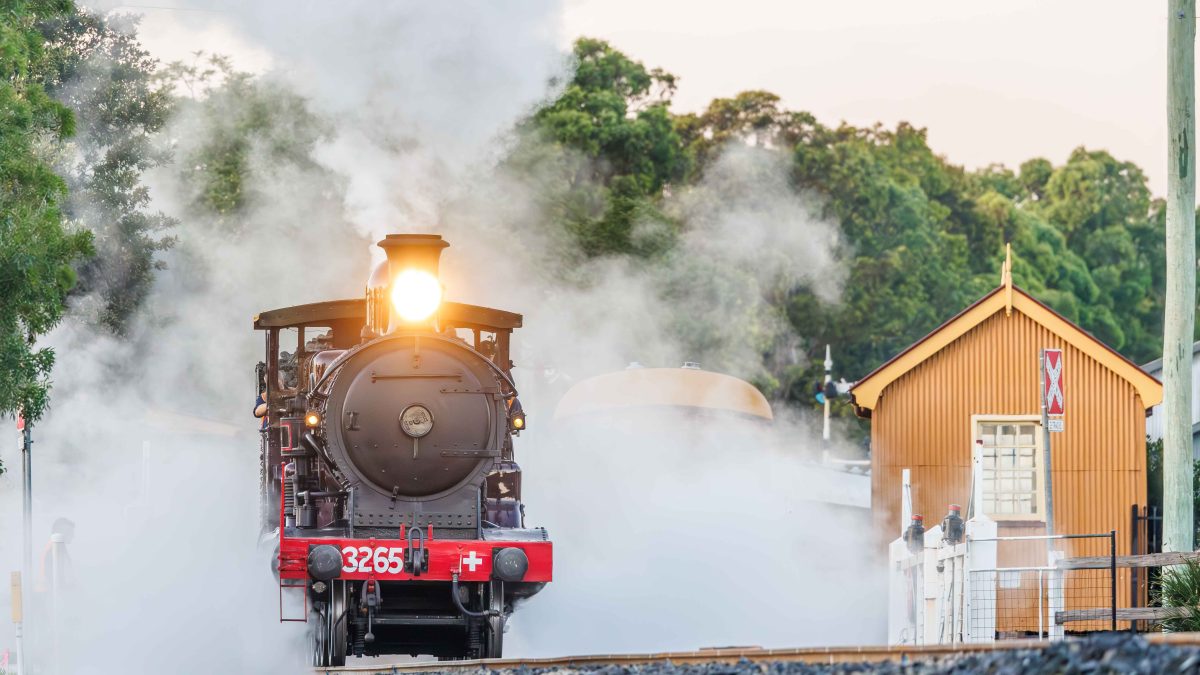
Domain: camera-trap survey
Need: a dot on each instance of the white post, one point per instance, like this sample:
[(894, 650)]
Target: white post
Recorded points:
[(968, 631), (906, 507), (18, 620), (1055, 597), (975, 508), (980, 584)]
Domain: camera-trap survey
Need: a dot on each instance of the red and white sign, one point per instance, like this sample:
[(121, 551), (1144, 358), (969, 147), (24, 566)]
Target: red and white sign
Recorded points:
[(1052, 381), (20, 422)]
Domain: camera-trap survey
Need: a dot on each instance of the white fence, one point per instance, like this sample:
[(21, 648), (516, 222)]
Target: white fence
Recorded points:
[(957, 593), (929, 600)]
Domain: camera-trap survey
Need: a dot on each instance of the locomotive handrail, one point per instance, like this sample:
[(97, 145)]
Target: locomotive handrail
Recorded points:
[(332, 368), (418, 376)]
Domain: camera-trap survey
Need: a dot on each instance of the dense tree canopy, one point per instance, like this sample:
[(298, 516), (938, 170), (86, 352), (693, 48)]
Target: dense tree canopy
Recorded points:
[(924, 238), (36, 249), (619, 175), (614, 115)]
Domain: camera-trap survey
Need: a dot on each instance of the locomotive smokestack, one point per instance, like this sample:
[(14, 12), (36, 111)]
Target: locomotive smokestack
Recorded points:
[(413, 251), (405, 292)]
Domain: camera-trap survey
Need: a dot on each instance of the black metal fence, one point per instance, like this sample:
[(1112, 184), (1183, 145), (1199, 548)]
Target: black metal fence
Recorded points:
[(1145, 537)]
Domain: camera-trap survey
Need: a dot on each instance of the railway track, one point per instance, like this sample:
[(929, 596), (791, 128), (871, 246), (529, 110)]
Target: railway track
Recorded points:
[(815, 655)]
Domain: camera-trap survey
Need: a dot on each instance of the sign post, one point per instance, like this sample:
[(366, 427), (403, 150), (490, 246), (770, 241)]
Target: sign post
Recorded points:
[(26, 429), (1050, 365)]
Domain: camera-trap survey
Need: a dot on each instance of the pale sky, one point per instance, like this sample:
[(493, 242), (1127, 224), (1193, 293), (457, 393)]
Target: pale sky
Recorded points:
[(992, 81)]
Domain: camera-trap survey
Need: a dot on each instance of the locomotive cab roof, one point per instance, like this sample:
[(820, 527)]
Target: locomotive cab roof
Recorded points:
[(354, 311)]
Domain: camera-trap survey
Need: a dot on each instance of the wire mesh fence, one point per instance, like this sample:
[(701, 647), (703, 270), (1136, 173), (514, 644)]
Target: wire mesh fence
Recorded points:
[(1027, 595)]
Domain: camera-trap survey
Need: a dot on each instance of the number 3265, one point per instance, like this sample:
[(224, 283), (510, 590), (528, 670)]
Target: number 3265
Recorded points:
[(381, 560)]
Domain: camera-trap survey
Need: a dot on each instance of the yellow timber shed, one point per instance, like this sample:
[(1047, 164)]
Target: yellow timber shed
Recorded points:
[(972, 387)]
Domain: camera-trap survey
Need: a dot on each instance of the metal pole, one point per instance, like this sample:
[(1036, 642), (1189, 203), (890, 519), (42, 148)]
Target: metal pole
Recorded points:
[(1112, 552), (27, 563), (1180, 305), (1041, 616), (1046, 451), (828, 379), (1135, 599)]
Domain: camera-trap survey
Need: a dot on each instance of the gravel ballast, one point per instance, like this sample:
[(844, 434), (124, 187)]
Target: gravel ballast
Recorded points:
[(1105, 653)]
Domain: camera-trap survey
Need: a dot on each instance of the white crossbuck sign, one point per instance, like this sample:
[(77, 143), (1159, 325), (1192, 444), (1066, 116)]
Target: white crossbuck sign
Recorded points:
[(1053, 387)]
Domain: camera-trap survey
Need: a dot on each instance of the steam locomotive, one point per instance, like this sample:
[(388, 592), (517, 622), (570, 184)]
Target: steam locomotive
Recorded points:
[(388, 467)]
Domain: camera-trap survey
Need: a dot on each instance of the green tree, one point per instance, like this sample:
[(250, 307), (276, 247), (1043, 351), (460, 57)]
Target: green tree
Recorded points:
[(1103, 208), (752, 117), (97, 67), (36, 249), (925, 237), (249, 124), (900, 207), (622, 147)]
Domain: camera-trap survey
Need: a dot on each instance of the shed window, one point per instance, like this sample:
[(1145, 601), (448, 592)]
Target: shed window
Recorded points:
[(1010, 466)]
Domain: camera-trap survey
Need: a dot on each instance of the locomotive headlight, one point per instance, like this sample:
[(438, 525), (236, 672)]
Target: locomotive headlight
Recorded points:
[(416, 295), (312, 419)]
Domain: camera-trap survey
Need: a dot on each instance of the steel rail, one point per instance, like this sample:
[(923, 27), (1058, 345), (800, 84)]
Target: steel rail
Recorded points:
[(815, 655)]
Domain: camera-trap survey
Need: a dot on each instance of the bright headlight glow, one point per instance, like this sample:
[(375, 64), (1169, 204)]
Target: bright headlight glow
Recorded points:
[(416, 295)]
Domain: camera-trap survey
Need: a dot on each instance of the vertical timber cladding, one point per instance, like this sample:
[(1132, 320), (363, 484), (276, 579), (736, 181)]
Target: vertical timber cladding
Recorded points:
[(921, 420)]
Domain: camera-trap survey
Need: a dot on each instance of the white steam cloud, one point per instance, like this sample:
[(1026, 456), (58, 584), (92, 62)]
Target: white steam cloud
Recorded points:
[(151, 450), (421, 93)]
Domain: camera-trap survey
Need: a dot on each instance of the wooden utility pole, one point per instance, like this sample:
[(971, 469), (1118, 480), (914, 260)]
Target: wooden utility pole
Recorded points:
[(1180, 318)]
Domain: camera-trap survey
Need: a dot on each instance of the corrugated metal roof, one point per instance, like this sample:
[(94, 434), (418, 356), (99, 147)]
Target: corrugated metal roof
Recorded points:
[(866, 392), (1155, 366)]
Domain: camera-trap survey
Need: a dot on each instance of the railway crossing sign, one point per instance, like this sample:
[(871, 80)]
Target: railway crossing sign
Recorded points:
[(1052, 387)]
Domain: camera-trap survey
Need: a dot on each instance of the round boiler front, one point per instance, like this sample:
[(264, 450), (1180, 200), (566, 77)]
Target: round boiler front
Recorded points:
[(416, 415)]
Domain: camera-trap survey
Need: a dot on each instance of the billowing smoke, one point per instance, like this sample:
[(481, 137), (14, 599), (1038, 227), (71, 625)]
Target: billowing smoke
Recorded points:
[(680, 532), (151, 450), (421, 94), (676, 531)]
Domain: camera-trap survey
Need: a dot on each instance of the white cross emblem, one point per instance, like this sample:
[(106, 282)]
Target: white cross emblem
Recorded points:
[(472, 561), (1054, 394)]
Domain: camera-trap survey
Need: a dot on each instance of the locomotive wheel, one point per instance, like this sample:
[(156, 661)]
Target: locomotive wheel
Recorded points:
[(329, 631), (493, 646)]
